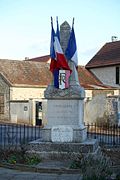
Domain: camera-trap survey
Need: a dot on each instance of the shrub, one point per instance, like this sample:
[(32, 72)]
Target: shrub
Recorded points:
[(93, 167)]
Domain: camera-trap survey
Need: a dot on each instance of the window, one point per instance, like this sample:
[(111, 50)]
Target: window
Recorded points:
[(117, 75), (1, 104)]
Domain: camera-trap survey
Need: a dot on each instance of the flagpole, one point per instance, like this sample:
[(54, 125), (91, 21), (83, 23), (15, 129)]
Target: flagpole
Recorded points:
[(57, 19), (73, 22), (57, 31)]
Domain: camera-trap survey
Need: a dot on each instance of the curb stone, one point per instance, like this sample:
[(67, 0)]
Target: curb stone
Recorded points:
[(22, 167)]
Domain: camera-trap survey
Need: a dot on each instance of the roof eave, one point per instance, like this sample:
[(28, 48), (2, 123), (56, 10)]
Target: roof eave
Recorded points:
[(5, 79), (29, 85), (99, 66)]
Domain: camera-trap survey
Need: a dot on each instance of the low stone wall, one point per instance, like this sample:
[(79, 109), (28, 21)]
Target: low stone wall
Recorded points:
[(102, 109)]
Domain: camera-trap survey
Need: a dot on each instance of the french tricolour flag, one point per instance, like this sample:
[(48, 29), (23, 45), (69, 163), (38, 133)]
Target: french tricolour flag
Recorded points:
[(71, 50), (52, 50), (58, 60)]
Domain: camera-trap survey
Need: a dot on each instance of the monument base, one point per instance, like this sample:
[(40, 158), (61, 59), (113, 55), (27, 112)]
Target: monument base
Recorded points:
[(62, 151), (62, 133)]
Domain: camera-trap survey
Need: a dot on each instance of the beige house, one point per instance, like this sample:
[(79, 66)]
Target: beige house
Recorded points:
[(105, 65), (22, 85)]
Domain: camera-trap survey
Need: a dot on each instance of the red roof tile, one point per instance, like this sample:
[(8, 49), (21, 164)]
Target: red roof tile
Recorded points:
[(108, 55), (25, 72), (40, 59), (29, 73)]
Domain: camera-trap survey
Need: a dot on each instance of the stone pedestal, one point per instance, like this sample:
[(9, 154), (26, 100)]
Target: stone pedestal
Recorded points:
[(65, 114)]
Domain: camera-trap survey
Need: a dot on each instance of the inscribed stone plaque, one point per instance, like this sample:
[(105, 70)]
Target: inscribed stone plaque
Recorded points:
[(63, 112), (62, 134)]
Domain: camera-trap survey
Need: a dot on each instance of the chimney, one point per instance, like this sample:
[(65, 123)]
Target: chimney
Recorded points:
[(114, 38)]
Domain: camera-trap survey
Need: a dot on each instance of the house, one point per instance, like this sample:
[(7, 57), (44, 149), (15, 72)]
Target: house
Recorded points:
[(105, 65), (22, 83)]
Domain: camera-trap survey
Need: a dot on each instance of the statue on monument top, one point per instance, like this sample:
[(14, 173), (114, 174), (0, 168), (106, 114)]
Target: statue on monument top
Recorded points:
[(64, 67)]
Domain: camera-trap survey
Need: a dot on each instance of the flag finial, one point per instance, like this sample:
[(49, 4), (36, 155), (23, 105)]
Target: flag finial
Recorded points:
[(51, 20)]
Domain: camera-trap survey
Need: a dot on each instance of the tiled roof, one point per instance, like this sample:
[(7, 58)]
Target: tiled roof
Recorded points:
[(108, 55), (29, 73), (40, 59), (25, 72)]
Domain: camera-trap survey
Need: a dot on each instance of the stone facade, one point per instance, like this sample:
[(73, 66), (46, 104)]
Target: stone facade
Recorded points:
[(5, 92), (112, 109), (95, 108), (102, 108)]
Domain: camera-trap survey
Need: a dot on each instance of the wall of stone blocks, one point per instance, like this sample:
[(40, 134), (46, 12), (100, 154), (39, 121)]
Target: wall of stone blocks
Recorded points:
[(4, 89), (102, 108)]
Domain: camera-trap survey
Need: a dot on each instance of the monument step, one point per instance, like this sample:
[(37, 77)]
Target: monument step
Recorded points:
[(50, 150), (88, 146)]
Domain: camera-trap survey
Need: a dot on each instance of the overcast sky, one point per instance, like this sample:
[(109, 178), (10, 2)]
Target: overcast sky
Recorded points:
[(25, 27)]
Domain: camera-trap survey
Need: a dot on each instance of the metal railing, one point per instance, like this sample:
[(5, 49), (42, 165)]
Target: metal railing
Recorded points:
[(105, 133), (14, 135)]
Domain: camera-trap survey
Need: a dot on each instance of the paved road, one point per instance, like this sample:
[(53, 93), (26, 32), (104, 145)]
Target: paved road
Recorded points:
[(8, 174)]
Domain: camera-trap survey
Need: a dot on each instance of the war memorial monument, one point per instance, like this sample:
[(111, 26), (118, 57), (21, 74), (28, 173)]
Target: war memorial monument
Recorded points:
[(65, 133)]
